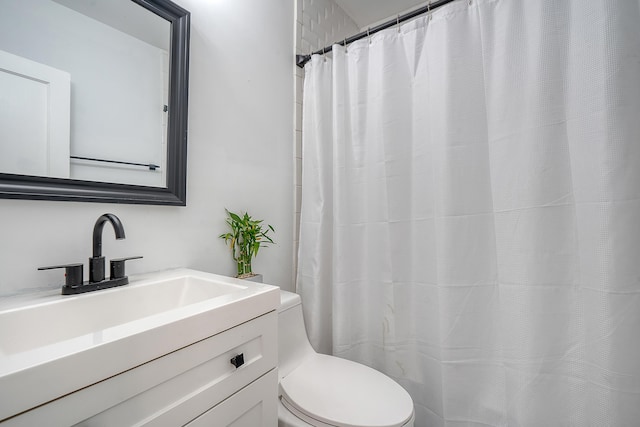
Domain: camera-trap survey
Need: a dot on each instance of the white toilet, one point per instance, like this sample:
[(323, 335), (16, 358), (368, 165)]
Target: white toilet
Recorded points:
[(327, 391)]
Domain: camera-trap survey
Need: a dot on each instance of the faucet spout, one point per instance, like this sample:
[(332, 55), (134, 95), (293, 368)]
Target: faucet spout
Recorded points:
[(97, 232), (96, 263)]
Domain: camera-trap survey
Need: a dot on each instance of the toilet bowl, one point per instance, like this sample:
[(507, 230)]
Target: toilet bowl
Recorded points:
[(327, 391)]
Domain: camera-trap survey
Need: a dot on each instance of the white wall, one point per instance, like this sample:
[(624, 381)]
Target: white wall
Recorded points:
[(321, 23), (240, 151), (391, 17)]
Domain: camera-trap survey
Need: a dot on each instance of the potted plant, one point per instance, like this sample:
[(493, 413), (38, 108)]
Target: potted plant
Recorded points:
[(245, 239)]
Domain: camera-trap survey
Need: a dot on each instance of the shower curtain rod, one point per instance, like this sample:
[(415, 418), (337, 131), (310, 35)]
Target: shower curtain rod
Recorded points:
[(303, 59)]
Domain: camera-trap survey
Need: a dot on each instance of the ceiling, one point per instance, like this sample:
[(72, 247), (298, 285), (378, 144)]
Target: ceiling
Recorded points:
[(368, 12)]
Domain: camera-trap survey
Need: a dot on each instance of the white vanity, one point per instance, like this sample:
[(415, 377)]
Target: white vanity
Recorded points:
[(161, 351)]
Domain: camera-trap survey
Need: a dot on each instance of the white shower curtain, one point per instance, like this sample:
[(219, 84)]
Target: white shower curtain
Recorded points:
[(471, 211)]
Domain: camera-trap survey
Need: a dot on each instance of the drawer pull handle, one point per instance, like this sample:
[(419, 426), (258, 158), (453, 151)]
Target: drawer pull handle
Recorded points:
[(238, 360)]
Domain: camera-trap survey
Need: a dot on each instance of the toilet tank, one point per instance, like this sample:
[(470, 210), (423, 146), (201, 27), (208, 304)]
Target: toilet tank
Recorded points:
[(293, 344)]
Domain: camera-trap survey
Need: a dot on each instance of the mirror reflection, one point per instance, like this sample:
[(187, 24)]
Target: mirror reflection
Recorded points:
[(84, 89)]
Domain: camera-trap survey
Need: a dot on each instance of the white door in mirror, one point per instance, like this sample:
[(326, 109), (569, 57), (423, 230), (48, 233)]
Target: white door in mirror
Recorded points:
[(34, 118)]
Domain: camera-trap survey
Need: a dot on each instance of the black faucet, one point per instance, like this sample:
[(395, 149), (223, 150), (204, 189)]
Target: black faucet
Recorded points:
[(73, 272), (96, 262)]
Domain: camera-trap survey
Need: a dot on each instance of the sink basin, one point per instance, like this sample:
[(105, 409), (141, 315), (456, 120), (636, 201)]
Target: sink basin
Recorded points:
[(61, 319), (60, 340)]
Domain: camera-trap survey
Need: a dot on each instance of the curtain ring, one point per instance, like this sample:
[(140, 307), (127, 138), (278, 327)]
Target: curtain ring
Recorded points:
[(368, 34), (398, 22), (324, 55), (429, 10)]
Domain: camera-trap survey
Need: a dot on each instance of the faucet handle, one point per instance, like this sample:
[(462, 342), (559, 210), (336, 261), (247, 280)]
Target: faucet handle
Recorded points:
[(116, 266), (72, 272)]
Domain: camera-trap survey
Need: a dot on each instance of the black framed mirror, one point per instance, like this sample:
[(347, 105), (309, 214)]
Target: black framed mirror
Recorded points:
[(172, 189)]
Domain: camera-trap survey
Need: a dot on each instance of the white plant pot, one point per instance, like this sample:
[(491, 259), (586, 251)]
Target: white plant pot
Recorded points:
[(255, 278)]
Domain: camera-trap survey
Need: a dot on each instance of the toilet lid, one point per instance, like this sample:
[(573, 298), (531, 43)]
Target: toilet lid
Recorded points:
[(343, 393)]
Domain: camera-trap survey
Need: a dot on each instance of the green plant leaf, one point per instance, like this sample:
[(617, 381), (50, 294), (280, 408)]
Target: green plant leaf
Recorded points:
[(245, 239)]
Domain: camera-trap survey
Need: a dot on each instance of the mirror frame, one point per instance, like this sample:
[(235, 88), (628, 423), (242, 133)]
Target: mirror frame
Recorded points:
[(14, 186)]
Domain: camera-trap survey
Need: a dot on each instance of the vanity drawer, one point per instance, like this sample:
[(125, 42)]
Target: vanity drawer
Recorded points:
[(171, 390), (256, 405)]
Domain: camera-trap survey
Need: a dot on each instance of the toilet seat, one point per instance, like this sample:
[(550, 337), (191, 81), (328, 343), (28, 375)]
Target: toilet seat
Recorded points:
[(330, 391)]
